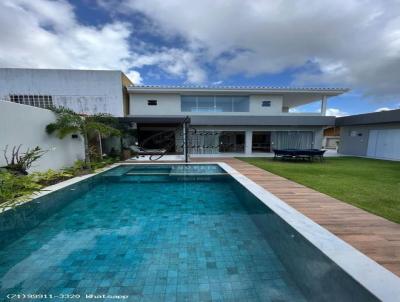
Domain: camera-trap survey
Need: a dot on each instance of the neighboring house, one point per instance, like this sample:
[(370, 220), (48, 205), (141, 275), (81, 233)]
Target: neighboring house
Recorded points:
[(331, 138), (228, 119), (375, 135), (85, 91)]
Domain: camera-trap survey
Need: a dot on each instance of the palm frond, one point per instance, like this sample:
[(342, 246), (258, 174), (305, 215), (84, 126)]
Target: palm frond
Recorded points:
[(64, 131), (104, 118), (67, 122), (103, 129), (62, 110), (51, 128)]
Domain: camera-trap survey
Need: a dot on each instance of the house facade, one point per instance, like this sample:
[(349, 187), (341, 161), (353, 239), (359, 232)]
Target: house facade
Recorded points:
[(222, 120), (229, 120), (84, 91)]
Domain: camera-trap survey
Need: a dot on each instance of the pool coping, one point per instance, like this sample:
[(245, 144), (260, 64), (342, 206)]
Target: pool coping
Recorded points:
[(375, 278), (379, 281)]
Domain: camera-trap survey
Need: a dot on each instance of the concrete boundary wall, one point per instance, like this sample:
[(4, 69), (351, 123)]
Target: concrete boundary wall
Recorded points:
[(22, 124), (84, 91), (357, 145)]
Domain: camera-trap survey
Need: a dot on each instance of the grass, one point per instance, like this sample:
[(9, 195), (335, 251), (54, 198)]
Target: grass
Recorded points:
[(373, 185)]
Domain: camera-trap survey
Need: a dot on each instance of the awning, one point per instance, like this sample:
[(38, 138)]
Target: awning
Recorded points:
[(155, 119)]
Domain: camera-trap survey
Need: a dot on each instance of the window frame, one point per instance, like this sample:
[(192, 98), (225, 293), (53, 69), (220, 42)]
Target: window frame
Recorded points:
[(266, 103), (34, 100), (215, 108), (152, 103)]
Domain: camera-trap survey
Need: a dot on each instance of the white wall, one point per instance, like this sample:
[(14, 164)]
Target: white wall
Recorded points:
[(256, 102), (384, 144), (354, 139), (170, 104), (167, 104), (22, 124), (85, 91)]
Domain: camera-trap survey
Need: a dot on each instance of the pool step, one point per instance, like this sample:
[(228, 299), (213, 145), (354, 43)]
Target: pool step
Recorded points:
[(149, 178), (165, 173)]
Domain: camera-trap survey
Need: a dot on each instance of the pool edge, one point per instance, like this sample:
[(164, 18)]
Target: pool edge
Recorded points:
[(375, 278), (370, 274)]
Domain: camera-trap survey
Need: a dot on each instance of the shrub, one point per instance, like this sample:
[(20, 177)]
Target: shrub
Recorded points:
[(17, 187), (51, 177), (14, 187), (103, 163), (79, 167), (21, 163)]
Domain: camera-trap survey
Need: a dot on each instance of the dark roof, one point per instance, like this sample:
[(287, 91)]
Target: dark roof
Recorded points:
[(155, 119), (383, 117)]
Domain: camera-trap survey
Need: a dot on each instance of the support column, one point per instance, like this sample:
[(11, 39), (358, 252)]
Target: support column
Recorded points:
[(324, 103), (185, 141), (248, 142)]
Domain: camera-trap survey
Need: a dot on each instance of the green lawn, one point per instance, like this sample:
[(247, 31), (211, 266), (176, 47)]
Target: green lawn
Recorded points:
[(373, 185)]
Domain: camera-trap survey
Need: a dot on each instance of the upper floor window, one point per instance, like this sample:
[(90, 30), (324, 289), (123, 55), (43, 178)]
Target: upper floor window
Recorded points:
[(42, 101), (217, 103), (152, 102), (266, 104)]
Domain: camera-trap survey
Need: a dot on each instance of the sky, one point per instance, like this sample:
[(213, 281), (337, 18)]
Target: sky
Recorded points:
[(312, 43)]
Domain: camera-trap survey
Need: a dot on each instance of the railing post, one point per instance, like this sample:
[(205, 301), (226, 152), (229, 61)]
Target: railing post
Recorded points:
[(185, 140)]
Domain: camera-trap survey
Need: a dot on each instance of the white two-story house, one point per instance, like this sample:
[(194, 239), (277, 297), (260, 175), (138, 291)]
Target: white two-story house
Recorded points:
[(229, 120), (222, 119)]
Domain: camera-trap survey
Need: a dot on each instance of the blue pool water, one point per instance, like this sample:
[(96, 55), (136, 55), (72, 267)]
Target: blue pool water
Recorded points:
[(162, 233)]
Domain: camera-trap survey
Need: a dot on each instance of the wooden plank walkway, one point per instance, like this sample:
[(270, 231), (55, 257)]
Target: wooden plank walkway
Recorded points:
[(374, 236)]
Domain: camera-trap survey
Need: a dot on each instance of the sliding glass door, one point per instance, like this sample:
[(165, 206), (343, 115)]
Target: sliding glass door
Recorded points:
[(231, 141), (261, 141)]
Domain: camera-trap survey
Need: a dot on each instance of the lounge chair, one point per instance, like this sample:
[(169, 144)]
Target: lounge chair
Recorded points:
[(141, 151)]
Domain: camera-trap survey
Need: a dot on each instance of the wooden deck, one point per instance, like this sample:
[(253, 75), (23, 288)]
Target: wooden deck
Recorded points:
[(374, 236)]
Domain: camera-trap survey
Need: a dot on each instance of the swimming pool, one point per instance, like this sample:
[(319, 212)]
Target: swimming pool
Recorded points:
[(163, 233)]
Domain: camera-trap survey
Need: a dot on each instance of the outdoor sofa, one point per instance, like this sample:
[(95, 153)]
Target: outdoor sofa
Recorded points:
[(299, 154)]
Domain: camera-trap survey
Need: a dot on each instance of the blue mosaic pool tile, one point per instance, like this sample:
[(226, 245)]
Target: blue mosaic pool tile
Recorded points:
[(171, 241)]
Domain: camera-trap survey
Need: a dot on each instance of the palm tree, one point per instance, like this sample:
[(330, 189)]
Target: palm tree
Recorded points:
[(70, 122)]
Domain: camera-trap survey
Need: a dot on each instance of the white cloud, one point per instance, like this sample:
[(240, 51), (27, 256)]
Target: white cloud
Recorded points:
[(383, 109), (33, 36), (387, 108), (174, 62), (329, 111), (345, 42), (135, 77), (46, 34), (353, 43), (335, 112)]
